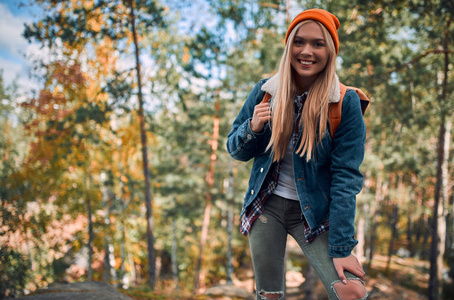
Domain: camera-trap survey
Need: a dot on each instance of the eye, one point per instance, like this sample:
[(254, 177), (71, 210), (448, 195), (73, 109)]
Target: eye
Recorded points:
[(319, 44), (298, 42)]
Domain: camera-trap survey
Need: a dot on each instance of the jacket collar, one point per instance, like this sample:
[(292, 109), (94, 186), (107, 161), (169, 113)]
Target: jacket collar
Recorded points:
[(272, 84)]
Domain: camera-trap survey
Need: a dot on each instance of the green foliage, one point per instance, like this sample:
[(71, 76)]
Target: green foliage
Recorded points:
[(78, 23), (14, 272)]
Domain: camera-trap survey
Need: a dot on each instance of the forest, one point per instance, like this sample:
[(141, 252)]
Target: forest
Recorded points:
[(116, 170)]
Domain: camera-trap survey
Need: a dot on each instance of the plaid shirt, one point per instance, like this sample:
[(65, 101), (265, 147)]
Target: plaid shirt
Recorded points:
[(257, 206)]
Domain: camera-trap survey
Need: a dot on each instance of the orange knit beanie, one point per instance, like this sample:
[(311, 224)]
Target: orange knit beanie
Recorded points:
[(329, 20)]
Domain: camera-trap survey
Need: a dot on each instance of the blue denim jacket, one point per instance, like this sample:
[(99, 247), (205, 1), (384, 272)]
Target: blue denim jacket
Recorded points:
[(327, 185)]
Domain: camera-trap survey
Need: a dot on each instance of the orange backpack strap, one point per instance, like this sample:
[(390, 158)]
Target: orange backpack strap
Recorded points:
[(335, 112), (364, 99), (335, 109), (266, 98)]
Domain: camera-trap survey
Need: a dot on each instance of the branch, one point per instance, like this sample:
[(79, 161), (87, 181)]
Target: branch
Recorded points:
[(275, 6), (413, 61), (418, 58)]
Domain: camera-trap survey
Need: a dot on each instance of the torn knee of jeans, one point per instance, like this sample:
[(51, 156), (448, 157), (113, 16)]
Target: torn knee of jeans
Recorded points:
[(271, 295), (354, 289), (263, 219)]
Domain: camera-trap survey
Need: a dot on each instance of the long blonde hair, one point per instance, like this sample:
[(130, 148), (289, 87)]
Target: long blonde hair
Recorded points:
[(315, 110)]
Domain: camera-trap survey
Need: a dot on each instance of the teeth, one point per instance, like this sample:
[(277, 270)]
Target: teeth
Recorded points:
[(306, 62)]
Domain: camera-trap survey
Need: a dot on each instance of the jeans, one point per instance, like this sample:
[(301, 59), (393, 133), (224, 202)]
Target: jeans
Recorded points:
[(267, 241)]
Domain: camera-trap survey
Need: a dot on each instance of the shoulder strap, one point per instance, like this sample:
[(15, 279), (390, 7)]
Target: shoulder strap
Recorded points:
[(335, 112), (266, 98), (335, 109)]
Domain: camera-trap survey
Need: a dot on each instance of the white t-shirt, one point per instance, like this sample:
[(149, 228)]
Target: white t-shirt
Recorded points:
[(286, 185)]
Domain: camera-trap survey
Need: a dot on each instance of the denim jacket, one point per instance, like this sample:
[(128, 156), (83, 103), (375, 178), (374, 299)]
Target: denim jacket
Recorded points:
[(327, 185)]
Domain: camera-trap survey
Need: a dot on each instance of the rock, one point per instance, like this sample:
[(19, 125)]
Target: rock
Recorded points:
[(90, 290), (228, 292)]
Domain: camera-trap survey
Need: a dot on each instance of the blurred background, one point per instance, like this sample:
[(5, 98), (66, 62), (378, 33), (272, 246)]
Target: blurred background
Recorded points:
[(114, 117)]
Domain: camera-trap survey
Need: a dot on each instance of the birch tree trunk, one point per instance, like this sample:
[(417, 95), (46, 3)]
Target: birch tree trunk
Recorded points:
[(361, 236), (109, 275), (362, 224)]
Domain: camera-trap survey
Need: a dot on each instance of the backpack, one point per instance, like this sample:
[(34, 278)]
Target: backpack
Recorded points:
[(335, 109)]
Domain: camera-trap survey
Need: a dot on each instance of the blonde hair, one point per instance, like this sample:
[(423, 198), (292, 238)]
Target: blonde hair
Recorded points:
[(315, 110)]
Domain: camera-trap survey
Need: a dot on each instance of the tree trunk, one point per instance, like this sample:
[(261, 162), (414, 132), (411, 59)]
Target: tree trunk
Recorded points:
[(394, 221), (421, 228), (308, 286), (436, 257), (109, 261), (143, 136), (363, 224), (124, 281), (445, 177), (373, 215), (90, 228), (287, 9), (132, 267), (174, 255), (439, 227), (361, 236), (427, 234), (451, 246), (229, 249), (418, 231), (200, 275), (230, 225), (109, 275), (410, 217)]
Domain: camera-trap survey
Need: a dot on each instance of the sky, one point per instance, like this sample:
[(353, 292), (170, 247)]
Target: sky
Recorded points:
[(13, 47), (15, 51)]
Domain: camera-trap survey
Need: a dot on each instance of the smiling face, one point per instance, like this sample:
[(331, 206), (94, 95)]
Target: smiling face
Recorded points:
[(309, 54)]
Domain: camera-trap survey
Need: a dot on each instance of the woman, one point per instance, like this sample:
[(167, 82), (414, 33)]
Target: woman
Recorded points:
[(303, 182)]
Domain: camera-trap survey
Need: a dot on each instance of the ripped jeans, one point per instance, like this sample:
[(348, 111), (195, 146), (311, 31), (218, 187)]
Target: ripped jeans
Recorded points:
[(267, 241)]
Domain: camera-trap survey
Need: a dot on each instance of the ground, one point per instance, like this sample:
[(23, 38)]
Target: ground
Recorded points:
[(407, 279)]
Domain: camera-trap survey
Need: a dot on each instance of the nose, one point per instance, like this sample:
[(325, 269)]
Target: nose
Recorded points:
[(306, 49)]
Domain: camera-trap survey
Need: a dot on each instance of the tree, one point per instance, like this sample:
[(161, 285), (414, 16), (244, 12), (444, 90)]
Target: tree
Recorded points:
[(437, 27), (143, 138), (441, 188), (82, 26), (14, 265)]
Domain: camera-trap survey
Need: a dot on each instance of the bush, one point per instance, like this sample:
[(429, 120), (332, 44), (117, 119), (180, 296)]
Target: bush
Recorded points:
[(14, 272)]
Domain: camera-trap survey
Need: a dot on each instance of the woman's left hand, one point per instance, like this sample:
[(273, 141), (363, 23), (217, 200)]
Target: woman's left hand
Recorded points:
[(350, 264)]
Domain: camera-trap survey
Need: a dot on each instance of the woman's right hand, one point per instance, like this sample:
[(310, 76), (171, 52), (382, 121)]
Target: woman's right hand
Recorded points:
[(262, 114), (350, 264)]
